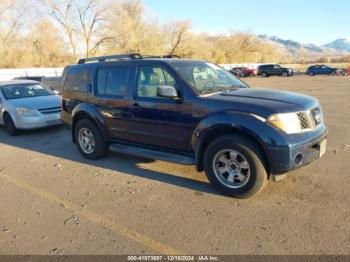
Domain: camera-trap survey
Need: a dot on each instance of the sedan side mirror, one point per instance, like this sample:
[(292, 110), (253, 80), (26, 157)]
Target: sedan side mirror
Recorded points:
[(167, 92)]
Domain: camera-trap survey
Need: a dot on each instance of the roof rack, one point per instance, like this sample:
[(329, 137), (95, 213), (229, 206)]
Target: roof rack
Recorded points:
[(112, 57), (164, 56)]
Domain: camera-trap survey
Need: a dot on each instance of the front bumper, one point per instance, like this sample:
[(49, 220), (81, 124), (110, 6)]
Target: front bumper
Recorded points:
[(298, 154), (43, 120)]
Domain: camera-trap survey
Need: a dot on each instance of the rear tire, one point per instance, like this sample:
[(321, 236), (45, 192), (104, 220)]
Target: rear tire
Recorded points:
[(10, 126), (255, 179), (89, 140), (311, 74), (263, 74)]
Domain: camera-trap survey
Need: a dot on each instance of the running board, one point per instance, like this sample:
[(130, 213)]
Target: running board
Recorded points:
[(152, 154)]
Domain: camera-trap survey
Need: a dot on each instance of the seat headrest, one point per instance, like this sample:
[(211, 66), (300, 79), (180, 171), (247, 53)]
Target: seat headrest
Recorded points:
[(154, 79)]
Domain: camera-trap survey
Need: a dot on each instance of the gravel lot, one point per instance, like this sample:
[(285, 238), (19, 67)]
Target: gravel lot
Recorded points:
[(55, 202)]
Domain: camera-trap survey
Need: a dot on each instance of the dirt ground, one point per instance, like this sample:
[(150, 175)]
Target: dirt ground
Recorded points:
[(52, 201)]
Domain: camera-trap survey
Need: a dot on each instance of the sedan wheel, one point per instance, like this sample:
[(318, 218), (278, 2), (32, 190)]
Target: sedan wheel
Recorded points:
[(10, 126)]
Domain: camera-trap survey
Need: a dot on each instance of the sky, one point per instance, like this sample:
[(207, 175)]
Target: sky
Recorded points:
[(305, 21)]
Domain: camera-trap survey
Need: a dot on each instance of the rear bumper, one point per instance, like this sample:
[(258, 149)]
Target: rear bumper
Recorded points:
[(297, 155), (40, 121)]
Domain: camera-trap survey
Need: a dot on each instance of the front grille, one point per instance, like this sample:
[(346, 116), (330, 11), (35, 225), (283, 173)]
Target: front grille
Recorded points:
[(304, 122), (51, 110)]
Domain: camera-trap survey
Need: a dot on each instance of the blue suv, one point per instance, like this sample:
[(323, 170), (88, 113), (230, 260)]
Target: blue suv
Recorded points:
[(321, 70), (192, 113)]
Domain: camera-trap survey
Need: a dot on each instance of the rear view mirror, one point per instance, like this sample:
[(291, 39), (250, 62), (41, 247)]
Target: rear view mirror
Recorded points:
[(167, 92)]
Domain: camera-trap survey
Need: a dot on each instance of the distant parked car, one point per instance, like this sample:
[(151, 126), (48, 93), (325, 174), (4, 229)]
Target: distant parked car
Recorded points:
[(26, 104), (237, 72), (247, 71), (53, 82), (33, 78), (349, 71), (274, 70), (341, 71), (321, 70)]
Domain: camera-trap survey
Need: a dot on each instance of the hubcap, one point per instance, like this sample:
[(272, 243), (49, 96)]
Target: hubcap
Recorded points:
[(86, 140), (231, 168)]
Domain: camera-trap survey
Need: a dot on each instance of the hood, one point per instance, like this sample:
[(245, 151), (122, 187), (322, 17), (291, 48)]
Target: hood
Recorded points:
[(265, 102), (39, 102)]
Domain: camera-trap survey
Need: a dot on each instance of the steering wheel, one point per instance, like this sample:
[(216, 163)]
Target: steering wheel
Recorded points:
[(209, 85)]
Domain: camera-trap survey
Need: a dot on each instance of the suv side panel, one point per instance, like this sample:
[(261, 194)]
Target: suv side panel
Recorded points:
[(160, 122), (76, 88), (113, 107)]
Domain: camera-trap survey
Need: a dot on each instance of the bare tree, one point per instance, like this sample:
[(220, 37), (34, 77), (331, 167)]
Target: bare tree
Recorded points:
[(62, 11), (11, 19), (177, 32), (90, 22)]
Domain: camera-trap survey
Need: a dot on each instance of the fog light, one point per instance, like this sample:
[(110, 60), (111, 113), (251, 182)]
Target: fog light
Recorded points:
[(299, 159)]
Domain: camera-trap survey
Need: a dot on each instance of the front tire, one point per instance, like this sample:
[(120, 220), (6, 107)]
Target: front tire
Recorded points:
[(235, 166), (311, 74), (285, 74), (10, 126), (89, 140)]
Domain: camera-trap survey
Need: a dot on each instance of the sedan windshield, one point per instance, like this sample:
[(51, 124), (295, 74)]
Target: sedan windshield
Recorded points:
[(17, 91), (206, 77)]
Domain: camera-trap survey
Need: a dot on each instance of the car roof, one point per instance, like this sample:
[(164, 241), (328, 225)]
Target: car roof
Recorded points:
[(129, 61), (16, 82)]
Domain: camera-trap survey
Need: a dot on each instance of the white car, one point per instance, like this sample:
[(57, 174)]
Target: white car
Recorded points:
[(27, 104)]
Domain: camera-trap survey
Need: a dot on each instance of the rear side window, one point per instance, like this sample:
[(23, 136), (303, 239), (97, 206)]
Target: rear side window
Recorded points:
[(77, 80), (112, 81)]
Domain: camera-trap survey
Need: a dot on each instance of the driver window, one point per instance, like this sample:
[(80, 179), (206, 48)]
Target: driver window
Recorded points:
[(276, 67), (150, 78)]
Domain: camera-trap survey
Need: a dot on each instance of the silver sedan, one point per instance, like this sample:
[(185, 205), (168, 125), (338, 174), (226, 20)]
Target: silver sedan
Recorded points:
[(28, 105)]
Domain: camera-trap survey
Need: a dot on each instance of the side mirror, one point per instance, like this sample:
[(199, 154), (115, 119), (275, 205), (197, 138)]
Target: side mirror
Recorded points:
[(56, 92), (167, 92)]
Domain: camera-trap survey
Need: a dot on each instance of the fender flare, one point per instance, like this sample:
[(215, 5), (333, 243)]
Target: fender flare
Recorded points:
[(227, 122), (89, 111)]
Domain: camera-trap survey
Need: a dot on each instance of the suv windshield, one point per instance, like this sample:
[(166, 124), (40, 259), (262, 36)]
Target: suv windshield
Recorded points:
[(24, 91), (206, 77)]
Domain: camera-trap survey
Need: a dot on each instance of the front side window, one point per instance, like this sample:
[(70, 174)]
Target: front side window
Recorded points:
[(77, 80), (206, 77), (25, 91), (150, 78), (113, 81)]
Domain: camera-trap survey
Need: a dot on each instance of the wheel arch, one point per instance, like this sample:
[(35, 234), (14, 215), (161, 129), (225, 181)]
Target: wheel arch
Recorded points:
[(85, 111), (248, 128)]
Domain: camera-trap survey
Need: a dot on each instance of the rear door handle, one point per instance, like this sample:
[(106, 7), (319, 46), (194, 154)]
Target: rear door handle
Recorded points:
[(136, 107)]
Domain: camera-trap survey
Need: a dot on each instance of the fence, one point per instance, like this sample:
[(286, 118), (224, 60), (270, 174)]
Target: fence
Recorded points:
[(8, 74)]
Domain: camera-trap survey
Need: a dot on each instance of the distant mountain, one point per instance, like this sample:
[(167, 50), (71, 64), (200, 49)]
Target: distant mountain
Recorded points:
[(291, 45), (338, 47), (341, 45)]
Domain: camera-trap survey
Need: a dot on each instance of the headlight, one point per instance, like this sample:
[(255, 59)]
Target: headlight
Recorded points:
[(288, 122), (26, 111)]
